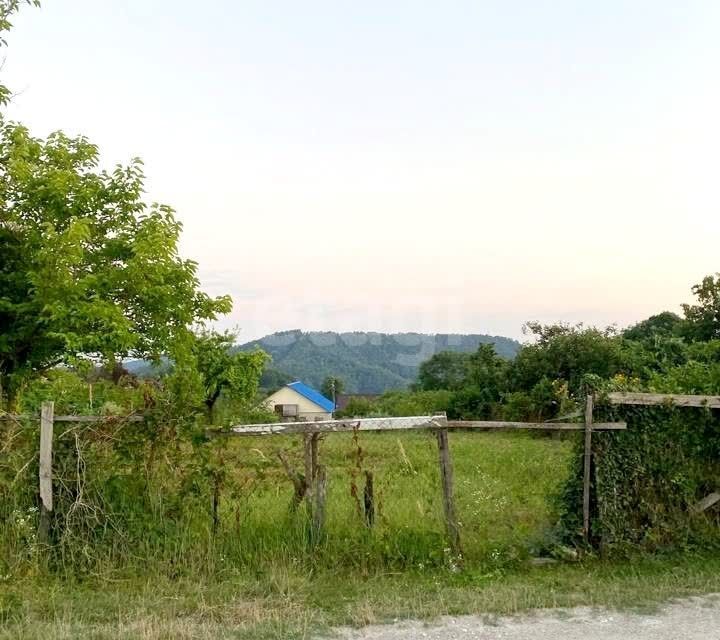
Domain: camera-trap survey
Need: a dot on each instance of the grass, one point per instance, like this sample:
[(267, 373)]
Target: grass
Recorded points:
[(292, 604), (502, 486), (259, 577)]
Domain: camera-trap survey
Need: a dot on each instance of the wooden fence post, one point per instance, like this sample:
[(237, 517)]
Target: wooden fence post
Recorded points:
[(587, 466), (45, 474), (314, 452), (309, 471), (318, 511), (369, 499), (446, 475)]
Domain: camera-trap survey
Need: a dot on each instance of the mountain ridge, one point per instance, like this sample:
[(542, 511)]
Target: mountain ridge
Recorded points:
[(367, 361)]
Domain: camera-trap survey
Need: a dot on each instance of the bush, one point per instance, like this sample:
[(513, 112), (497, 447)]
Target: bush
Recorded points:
[(414, 403)]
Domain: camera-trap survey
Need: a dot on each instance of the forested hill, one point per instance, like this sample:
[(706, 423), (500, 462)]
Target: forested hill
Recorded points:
[(366, 362)]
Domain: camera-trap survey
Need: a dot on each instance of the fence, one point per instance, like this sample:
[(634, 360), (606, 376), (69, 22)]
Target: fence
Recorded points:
[(45, 479), (311, 485)]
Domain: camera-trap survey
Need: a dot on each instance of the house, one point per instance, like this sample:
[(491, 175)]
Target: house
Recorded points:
[(297, 400)]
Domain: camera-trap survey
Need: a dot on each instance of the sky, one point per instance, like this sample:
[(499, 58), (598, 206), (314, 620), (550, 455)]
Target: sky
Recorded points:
[(454, 166)]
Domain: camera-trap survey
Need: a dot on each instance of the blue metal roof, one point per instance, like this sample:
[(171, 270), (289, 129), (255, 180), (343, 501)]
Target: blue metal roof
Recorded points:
[(312, 395)]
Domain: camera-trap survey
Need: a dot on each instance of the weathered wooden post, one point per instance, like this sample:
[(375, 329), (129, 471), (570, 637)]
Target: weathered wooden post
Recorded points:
[(315, 486), (309, 471), (369, 499), (45, 474), (318, 511), (446, 475), (587, 462)]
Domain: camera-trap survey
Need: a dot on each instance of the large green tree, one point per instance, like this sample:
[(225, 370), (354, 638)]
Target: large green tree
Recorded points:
[(88, 269)]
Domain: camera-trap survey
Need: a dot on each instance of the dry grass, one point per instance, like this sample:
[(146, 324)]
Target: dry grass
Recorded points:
[(160, 609)]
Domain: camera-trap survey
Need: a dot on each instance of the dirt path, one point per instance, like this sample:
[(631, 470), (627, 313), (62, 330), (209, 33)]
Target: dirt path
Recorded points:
[(692, 619)]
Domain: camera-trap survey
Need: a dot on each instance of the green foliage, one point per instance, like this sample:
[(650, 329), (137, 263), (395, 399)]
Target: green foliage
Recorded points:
[(359, 407), (88, 268), (664, 324), (74, 395), (413, 403), (7, 9), (545, 400), (647, 478), (703, 319), (398, 403), (563, 352), (224, 371), (486, 386), (485, 382), (444, 370)]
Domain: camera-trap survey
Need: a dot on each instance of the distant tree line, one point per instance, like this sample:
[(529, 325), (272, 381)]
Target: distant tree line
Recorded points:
[(560, 363)]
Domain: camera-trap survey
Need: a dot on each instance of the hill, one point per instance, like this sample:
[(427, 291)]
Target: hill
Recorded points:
[(367, 362)]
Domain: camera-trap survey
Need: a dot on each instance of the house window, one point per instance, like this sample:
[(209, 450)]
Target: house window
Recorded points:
[(287, 410)]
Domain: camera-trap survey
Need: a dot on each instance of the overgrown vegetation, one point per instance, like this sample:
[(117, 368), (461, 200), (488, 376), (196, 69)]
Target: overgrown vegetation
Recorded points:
[(91, 275)]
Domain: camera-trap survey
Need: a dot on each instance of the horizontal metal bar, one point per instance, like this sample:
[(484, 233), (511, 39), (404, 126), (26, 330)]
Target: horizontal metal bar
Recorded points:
[(395, 424), (678, 400), (332, 426)]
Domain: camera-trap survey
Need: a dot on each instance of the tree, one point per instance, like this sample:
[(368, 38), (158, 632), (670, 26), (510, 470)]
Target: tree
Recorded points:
[(223, 371), (483, 387), (332, 387), (702, 320), (664, 324), (444, 370), (564, 352), (487, 369), (88, 268)]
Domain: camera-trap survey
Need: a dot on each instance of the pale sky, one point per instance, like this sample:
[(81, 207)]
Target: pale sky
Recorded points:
[(454, 166)]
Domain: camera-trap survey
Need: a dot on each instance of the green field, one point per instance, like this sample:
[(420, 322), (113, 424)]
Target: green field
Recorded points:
[(259, 577)]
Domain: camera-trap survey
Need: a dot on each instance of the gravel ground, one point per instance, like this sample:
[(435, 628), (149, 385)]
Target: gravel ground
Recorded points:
[(692, 619)]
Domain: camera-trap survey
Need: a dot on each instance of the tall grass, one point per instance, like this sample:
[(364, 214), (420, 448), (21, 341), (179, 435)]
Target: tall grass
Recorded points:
[(503, 482), (152, 567)]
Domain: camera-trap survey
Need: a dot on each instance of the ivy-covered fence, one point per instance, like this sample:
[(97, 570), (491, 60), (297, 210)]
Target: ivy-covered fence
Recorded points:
[(655, 485)]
